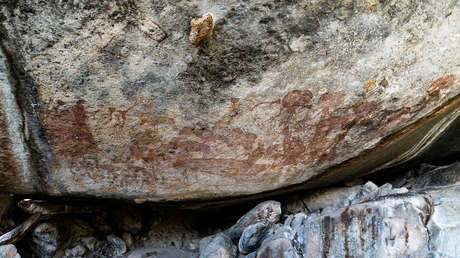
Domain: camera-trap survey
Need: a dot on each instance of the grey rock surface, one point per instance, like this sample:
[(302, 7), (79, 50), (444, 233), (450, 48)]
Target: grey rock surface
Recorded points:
[(444, 223), (268, 212), (390, 226), (89, 242), (172, 229), (110, 99), (161, 252), (46, 239), (252, 236), (326, 198), (9, 251), (277, 246), (15, 164), (76, 251), (418, 219), (218, 246), (52, 238), (118, 244)]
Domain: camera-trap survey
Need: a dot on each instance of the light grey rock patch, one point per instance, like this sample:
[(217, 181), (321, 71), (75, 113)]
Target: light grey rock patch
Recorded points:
[(9, 251), (327, 198), (218, 246), (298, 220), (277, 246), (268, 212), (444, 223), (388, 226), (251, 255), (77, 251), (118, 244), (89, 242), (288, 220), (14, 153), (372, 193), (171, 230), (373, 221)]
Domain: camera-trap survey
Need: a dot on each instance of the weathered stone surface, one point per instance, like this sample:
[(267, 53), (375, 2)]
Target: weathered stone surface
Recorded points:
[(444, 223), (9, 251), (268, 212), (419, 218), (14, 159), (277, 246), (252, 236), (118, 103), (161, 252), (328, 198), (218, 246), (386, 221), (77, 251), (53, 238), (45, 239), (172, 229), (391, 227), (89, 242), (441, 183), (118, 244)]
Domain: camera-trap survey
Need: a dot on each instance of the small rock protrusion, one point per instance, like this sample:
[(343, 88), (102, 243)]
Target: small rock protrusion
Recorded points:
[(152, 29), (252, 236), (201, 28), (299, 218), (118, 244), (288, 220), (268, 212), (89, 242)]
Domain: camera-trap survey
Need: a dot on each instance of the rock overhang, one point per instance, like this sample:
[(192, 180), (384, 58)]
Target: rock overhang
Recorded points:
[(267, 102)]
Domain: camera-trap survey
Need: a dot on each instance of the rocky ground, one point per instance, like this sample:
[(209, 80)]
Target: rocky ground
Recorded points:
[(412, 214)]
